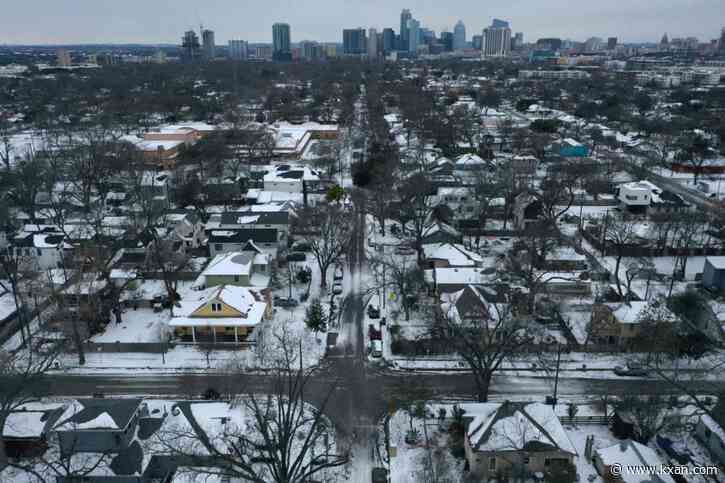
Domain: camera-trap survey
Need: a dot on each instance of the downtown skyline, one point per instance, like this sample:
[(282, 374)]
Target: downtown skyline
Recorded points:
[(144, 25)]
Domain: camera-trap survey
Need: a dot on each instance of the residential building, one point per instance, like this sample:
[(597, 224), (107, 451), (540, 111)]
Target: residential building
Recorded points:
[(713, 274), (98, 425), (250, 267), (620, 324), (291, 178), (219, 315), (238, 49), (311, 50), (450, 255), (612, 43), (540, 444), (497, 39), (645, 197), (354, 41), (281, 42), (208, 44), (466, 306), (225, 241), (569, 148), (26, 432), (628, 454), (405, 17)]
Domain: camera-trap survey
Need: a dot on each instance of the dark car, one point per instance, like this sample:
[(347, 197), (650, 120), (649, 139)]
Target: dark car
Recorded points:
[(373, 312), (380, 475), (286, 303), (296, 257)]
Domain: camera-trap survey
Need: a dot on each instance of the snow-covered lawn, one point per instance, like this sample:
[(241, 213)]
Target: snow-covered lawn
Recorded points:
[(141, 325)]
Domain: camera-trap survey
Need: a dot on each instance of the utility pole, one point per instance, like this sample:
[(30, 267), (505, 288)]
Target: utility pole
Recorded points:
[(556, 376)]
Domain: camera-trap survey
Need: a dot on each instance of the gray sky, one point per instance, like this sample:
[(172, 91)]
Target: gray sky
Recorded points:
[(154, 21)]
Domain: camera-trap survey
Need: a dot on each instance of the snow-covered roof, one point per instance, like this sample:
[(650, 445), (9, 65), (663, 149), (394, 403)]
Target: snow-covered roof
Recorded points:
[(469, 159), (232, 263), (456, 254), (630, 453), (717, 263), (513, 426), (25, 424), (245, 301)]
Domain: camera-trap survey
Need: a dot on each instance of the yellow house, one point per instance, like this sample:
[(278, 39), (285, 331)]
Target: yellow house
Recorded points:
[(224, 314)]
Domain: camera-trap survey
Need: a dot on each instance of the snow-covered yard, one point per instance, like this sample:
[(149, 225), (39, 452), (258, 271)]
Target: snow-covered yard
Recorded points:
[(141, 325)]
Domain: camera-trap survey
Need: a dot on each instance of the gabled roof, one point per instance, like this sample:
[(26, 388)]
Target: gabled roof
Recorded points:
[(240, 299), (99, 414), (456, 254), (516, 426), (630, 453)]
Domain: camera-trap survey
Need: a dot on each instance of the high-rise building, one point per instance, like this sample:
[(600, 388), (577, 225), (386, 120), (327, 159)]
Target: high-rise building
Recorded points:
[(63, 58), (553, 44), (281, 42), (388, 40), (330, 50), (413, 32), (722, 40), (354, 41), (372, 46), (448, 41), (517, 42), (238, 49), (612, 43), (311, 50), (459, 36), (593, 44), (190, 46), (209, 46), (477, 42), (405, 17), (497, 39)]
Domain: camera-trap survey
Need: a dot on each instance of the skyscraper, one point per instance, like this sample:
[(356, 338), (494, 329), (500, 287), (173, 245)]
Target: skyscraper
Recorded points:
[(497, 39), (281, 40), (354, 41), (722, 40), (413, 32), (517, 42), (459, 36), (190, 46), (477, 42), (612, 43), (238, 49), (448, 41), (405, 17), (207, 39), (388, 40), (372, 44)]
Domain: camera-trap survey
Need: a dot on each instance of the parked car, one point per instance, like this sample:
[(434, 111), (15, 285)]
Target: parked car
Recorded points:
[(337, 289), (373, 333), (376, 348), (286, 303), (631, 369), (339, 273), (301, 246), (297, 257)]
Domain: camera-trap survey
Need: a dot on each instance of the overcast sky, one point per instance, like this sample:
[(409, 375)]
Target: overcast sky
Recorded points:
[(155, 21)]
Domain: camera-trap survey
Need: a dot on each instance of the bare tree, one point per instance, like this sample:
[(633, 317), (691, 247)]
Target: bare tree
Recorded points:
[(166, 260), (400, 275), (618, 236), (22, 381), (282, 438), (485, 342), (329, 234), (416, 209)]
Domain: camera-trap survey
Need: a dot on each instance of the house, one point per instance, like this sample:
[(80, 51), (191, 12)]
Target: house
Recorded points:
[(628, 453), (712, 436), (250, 267), (439, 232), (445, 255), (225, 241), (98, 425), (645, 197), (713, 275), (515, 438), (234, 220), (465, 305), (291, 178), (619, 324), (26, 432), (185, 227), (445, 280), (162, 146), (224, 314), (44, 249), (569, 148), (470, 162), (565, 258)]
